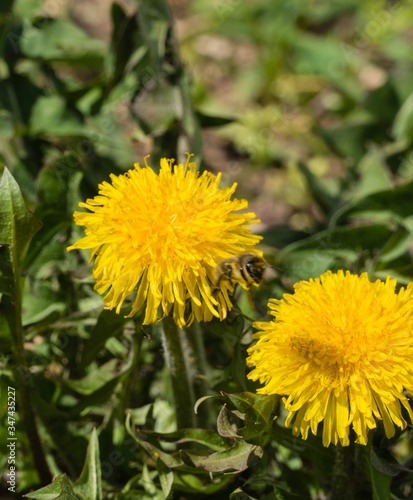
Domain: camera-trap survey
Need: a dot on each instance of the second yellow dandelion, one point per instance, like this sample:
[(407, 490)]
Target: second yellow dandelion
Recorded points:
[(340, 350)]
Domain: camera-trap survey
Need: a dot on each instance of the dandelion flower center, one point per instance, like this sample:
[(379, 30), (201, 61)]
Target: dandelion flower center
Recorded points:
[(341, 350), (161, 236)]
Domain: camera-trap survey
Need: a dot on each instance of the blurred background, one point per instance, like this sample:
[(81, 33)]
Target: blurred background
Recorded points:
[(305, 105)]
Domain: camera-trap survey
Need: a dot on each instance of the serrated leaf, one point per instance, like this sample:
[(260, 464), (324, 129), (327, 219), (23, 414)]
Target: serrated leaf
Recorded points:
[(236, 459), (262, 405), (89, 484), (59, 489), (257, 412), (205, 437)]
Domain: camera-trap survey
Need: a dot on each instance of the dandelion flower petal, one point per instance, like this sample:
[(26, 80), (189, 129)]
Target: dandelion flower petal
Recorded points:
[(160, 236), (340, 351)]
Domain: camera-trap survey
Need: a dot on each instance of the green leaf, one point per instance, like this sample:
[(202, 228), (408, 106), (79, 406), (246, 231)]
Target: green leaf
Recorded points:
[(195, 483), (201, 400), (58, 188), (95, 380), (373, 172), (258, 414), (107, 136), (262, 405), (89, 484), (109, 324), (204, 437), (6, 271), (154, 451), (325, 56), (319, 192), (328, 249), (380, 484), (347, 139), (403, 123), (27, 8), (60, 489), (398, 243), (382, 102), (238, 494), (207, 120), (224, 426), (17, 223), (125, 39), (166, 478), (98, 386), (368, 237), (17, 227), (192, 135), (56, 183), (382, 461), (154, 20), (50, 116), (236, 459), (7, 129), (390, 204), (59, 39)]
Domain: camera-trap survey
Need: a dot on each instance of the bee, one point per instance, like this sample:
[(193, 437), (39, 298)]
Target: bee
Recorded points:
[(247, 269)]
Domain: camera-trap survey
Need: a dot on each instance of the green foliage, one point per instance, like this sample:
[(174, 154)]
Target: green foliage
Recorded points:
[(87, 486), (308, 106)]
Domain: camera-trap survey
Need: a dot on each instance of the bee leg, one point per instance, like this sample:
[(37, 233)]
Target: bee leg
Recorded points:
[(255, 305), (227, 276), (216, 288)]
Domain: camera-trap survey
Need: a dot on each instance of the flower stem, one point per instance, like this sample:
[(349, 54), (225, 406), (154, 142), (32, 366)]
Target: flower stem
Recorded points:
[(176, 355), (198, 369), (24, 390), (343, 471)]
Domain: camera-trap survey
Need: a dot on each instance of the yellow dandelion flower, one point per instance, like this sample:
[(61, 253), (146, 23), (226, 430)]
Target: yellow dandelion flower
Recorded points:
[(161, 236), (341, 350)]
